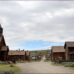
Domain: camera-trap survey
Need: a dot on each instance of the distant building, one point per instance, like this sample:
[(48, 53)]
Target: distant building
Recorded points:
[(69, 48), (58, 53), (16, 55), (3, 47)]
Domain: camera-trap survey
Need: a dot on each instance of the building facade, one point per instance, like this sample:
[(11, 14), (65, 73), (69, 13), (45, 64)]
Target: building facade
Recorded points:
[(69, 50)]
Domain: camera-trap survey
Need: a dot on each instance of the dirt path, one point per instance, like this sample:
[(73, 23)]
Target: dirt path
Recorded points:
[(43, 59), (43, 67)]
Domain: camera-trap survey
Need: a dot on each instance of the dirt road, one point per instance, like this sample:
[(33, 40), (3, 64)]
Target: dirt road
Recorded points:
[(43, 67)]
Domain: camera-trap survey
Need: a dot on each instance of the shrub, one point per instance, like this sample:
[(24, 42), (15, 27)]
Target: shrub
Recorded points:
[(68, 64), (11, 65)]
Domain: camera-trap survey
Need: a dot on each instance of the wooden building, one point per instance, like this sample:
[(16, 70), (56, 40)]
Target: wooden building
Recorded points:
[(3, 48), (17, 55), (69, 48), (58, 53), (27, 55)]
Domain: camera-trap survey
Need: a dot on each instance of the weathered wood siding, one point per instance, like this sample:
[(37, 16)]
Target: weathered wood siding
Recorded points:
[(55, 56)]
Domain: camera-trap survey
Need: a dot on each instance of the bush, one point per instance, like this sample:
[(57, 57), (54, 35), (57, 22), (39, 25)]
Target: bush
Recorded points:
[(68, 64), (11, 65), (46, 60)]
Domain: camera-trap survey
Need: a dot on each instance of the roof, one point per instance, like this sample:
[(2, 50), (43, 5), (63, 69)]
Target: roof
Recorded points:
[(16, 53), (58, 49), (69, 44), (4, 48)]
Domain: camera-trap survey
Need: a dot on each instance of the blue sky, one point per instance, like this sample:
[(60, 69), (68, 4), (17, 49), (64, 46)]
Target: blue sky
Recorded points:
[(38, 45)]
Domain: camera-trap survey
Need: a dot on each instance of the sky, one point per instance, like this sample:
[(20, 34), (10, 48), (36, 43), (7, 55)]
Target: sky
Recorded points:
[(37, 25)]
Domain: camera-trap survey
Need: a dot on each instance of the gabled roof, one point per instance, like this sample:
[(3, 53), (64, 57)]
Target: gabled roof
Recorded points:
[(16, 52), (69, 44), (58, 49), (4, 48)]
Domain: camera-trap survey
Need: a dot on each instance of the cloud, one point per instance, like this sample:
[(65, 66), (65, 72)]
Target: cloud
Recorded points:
[(37, 20)]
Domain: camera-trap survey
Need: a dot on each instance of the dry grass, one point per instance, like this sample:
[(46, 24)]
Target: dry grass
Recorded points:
[(7, 67)]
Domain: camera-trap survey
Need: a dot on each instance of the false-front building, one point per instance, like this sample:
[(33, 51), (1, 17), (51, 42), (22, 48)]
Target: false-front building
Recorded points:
[(3, 48), (69, 48)]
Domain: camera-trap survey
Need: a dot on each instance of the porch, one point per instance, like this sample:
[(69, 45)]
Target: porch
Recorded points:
[(71, 56)]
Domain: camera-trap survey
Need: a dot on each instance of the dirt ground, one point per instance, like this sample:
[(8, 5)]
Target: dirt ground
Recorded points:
[(44, 68)]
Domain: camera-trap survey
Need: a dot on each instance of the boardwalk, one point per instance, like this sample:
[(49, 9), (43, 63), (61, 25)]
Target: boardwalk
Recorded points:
[(43, 67)]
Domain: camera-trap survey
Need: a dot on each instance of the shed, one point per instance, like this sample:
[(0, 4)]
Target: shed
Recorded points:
[(58, 52)]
